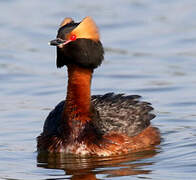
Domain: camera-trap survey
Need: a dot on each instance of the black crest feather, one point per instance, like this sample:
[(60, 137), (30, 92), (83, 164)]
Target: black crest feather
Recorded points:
[(83, 52)]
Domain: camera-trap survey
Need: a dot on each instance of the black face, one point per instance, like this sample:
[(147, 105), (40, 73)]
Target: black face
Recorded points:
[(82, 52), (66, 29)]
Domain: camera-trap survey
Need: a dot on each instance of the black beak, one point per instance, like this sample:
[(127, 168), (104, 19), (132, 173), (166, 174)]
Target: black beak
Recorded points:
[(57, 42)]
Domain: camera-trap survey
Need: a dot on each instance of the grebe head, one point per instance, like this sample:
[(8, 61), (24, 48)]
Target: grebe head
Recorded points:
[(78, 43)]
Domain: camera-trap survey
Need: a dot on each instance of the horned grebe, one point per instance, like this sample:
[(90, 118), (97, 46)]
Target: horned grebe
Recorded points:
[(100, 125)]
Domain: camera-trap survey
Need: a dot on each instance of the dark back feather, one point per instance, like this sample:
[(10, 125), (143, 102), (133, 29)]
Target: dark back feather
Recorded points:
[(124, 114), (111, 112), (52, 122)]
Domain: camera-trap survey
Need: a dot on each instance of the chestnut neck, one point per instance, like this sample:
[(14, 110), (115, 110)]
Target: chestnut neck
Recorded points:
[(76, 112)]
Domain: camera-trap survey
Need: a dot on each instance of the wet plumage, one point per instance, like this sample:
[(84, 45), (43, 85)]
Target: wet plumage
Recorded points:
[(123, 114), (100, 125), (112, 112)]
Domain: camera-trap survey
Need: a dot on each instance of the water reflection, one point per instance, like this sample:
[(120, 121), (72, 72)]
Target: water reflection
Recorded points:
[(90, 167)]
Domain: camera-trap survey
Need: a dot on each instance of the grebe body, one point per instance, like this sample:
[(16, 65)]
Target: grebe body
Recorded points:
[(100, 125)]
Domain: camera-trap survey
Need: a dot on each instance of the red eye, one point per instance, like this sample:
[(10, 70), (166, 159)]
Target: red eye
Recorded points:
[(73, 38)]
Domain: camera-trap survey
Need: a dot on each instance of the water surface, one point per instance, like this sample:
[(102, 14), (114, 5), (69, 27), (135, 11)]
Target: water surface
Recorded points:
[(149, 50)]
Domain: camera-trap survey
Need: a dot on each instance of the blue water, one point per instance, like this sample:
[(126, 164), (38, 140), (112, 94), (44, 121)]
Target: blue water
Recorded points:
[(149, 50)]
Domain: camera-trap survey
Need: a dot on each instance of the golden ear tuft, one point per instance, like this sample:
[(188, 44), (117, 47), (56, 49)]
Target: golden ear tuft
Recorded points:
[(66, 21), (87, 29)]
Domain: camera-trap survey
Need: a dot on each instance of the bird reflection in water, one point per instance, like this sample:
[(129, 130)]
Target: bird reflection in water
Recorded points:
[(87, 168)]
